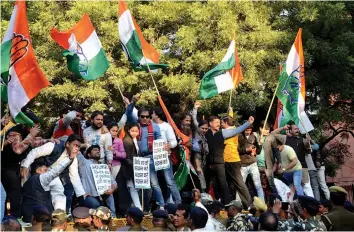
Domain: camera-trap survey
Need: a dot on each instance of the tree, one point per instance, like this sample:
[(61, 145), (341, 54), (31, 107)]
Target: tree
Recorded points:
[(192, 38), (329, 47)]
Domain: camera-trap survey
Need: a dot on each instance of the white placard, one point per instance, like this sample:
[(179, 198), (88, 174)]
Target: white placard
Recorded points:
[(102, 177), (160, 155), (141, 172)]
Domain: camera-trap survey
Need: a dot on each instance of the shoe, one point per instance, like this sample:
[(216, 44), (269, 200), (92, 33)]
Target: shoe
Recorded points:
[(147, 213), (70, 218), (24, 224)]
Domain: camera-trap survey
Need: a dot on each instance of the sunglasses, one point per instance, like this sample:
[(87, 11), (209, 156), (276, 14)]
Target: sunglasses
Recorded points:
[(145, 116)]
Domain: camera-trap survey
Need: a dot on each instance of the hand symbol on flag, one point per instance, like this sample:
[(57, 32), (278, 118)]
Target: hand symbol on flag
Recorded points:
[(19, 48)]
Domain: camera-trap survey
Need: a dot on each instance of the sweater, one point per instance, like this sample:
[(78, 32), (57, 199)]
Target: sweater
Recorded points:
[(118, 151), (230, 151), (94, 137), (243, 143)]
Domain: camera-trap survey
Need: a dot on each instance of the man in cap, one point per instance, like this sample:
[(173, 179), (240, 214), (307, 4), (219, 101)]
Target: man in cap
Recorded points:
[(310, 208), (159, 220), (134, 218), (82, 219), (325, 206), (40, 215), (339, 218), (101, 218), (198, 219), (59, 220), (257, 208), (171, 210), (237, 221)]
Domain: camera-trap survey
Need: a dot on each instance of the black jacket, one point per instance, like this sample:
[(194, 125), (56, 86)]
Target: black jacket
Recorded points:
[(127, 163), (216, 147)]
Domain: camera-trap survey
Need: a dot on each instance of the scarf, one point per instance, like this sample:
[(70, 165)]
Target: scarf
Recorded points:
[(150, 134)]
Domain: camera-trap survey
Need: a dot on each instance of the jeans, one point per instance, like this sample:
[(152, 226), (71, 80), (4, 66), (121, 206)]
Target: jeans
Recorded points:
[(170, 181), (3, 202), (256, 177), (295, 178), (134, 194), (115, 170), (314, 184), (94, 202), (68, 192), (322, 181), (234, 178)]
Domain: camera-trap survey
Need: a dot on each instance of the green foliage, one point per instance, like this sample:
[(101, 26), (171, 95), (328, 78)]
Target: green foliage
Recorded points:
[(192, 37)]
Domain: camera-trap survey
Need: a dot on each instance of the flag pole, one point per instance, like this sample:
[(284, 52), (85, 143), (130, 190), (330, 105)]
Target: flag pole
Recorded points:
[(147, 64), (270, 107), (190, 175), (120, 91), (142, 199), (232, 75)]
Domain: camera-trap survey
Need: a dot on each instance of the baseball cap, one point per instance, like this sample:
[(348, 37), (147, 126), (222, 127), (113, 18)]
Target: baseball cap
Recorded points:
[(235, 203)]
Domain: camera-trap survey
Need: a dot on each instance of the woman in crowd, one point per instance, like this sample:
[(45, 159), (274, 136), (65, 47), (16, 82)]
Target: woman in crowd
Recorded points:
[(118, 149)]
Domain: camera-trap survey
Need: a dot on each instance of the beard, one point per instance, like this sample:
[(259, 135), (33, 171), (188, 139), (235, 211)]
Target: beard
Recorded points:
[(95, 157), (96, 127)]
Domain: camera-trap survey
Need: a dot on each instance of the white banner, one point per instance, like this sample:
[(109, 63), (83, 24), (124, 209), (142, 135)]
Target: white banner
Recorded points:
[(102, 177), (141, 172), (160, 155)]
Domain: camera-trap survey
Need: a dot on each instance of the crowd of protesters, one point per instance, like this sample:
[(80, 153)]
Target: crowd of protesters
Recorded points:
[(264, 180)]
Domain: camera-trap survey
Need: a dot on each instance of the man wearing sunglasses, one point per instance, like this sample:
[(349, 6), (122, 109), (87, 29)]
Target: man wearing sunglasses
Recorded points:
[(149, 131)]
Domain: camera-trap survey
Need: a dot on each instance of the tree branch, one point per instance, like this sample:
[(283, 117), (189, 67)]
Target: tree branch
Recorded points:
[(334, 135)]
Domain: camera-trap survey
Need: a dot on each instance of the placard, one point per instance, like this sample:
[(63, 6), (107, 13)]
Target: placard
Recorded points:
[(160, 155), (141, 172), (102, 177)]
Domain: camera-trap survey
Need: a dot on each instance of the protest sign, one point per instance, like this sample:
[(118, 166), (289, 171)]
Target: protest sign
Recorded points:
[(160, 155), (102, 177), (141, 172)]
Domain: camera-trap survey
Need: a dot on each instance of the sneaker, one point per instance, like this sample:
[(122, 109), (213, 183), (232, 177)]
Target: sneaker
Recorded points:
[(70, 218), (24, 224), (147, 213)]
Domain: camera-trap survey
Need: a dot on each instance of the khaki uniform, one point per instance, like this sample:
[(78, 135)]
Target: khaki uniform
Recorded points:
[(339, 219)]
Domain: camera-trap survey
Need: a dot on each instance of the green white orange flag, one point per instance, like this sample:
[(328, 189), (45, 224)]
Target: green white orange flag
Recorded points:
[(225, 76), (83, 49), (291, 91), (21, 77), (137, 49)]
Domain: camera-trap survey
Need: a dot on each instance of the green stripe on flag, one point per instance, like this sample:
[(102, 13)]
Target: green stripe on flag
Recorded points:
[(23, 119), (5, 57), (181, 174), (288, 94), (96, 66), (208, 86)]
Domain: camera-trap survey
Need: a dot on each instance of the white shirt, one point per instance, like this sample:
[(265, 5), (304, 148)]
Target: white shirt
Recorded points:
[(209, 226), (167, 134), (46, 150), (94, 137), (283, 189)]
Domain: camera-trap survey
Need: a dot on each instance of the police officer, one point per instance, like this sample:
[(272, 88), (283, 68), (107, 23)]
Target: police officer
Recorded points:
[(82, 219), (339, 218), (101, 218), (40, 219), (159, 220), (134, 218), (310, 208), (237, 220)]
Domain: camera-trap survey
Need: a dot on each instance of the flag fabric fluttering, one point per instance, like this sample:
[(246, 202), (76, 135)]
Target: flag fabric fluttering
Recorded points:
[(291, 90), (21, 77), (225, 76), (137, 49), (83, 49)]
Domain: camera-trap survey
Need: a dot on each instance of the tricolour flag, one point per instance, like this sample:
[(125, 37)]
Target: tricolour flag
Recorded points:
[(137, 49), (21, 77), (83, 49), (225, 76), (291, 90)]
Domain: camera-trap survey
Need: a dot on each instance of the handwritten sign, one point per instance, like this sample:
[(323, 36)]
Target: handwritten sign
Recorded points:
[(160, 155), (141, 172), (102, 177)]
